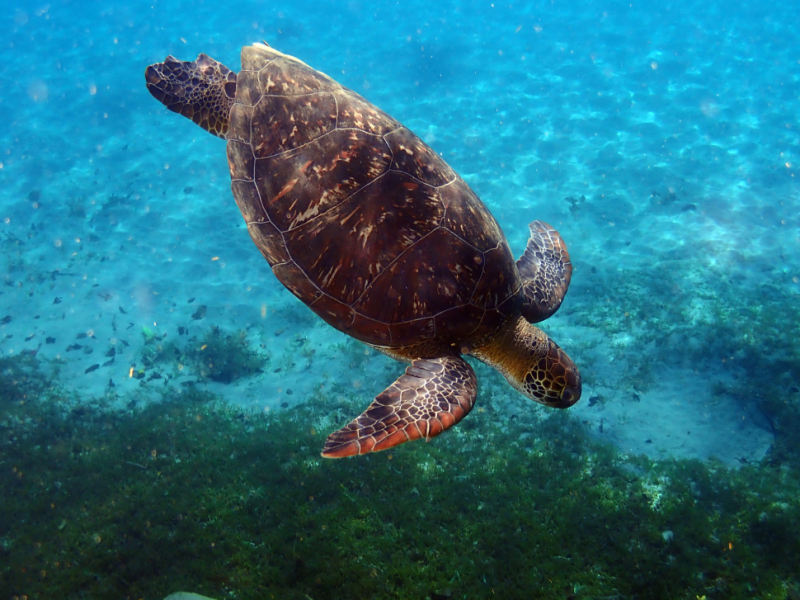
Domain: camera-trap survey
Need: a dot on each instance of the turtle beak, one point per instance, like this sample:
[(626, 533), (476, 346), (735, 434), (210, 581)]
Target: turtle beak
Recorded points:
[(572, 391)]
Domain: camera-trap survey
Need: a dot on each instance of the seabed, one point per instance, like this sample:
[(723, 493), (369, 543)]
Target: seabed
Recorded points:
[(192, 493)]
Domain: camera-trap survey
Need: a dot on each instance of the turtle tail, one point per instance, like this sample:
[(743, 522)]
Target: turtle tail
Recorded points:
[(202, 90)]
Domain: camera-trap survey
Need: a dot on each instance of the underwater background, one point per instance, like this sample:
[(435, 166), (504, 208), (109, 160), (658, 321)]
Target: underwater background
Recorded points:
[(163, 399)]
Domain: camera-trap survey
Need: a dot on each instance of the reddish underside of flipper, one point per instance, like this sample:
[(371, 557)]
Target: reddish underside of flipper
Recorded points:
[(432, 395)]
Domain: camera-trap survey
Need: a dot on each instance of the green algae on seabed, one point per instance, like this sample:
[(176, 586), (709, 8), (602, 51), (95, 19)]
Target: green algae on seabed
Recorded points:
[(229, 504), (710, 327), (214, 355)]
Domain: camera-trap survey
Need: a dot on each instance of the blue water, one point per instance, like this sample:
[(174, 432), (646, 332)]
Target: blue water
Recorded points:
[(660, 140)]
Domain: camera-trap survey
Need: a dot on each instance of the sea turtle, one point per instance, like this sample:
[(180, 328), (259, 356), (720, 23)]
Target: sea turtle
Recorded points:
[(369, 227)]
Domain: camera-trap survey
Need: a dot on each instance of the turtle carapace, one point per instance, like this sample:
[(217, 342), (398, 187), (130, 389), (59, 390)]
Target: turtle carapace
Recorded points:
[(371, 229)]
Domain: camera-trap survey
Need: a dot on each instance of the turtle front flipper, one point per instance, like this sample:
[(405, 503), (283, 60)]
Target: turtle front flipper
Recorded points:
[(545, 270), (433, 395), (202, 90)]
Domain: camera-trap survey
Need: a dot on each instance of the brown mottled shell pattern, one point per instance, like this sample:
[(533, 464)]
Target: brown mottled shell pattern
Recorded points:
[(370, 228), (358, 217)]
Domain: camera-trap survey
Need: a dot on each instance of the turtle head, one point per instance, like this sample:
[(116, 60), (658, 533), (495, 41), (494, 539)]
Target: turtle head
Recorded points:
[(554, 380), (534, 364)]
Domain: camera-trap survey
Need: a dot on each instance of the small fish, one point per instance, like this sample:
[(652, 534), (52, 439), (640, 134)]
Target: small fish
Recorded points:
[(200, 312), (6, 319), (122, 310), (30, 337), (111, 352), (74, 347), (124, 343), (108, 363), (182, 330), (94, 367), (105, 296), (111, 383), (57, 301), (190, 300), (80, 336), (50, 340), (129, 326)]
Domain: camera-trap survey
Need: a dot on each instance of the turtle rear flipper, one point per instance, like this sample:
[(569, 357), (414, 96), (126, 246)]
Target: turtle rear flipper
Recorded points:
[(433, 395), (202, 90), (546, 270)]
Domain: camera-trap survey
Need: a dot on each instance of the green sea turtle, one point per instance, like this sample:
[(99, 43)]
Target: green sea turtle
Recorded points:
[(369, 227)]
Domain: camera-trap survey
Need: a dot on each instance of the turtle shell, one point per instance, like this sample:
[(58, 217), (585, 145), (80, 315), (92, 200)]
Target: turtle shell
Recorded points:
[(357, 216)]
